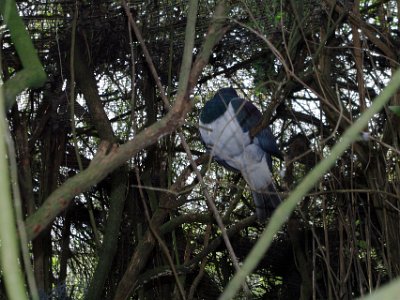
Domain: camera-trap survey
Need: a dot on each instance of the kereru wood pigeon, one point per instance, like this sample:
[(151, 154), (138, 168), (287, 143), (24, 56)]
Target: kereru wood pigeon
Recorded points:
[(225, 123)]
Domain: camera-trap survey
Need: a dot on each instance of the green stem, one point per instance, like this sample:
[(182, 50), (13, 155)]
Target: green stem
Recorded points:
[(9, 249), (32, 74), (283, 212), (187, 57)]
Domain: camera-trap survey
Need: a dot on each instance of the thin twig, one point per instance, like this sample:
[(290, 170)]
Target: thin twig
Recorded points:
[(72, 87), (199, 276), (73, 127), (152, 188), (133, 82), (146, 54), (379, 141), (19, 216), (214, 210), (289, 71), (153, 230)]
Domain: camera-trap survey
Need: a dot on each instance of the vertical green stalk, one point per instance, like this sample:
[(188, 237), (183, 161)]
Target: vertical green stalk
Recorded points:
[(32, 75), (9, 249), (187, 57), (283, 212)]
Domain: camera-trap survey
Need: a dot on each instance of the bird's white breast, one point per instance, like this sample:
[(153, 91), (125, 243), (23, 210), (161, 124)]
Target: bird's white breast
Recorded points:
[(228, 142), (225, 137)]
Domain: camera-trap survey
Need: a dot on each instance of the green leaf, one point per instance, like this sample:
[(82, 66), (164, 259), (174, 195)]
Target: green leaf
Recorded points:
[(362, 244)]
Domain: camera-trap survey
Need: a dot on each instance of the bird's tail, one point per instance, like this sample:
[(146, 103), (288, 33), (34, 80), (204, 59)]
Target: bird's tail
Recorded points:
[(266, 203)]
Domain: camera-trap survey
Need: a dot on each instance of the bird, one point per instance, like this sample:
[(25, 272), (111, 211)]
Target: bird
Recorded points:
[(225, 122)]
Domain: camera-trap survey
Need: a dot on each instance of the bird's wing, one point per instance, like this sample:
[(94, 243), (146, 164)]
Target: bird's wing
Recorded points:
[(248, 117), (247, 113), (267, 142)]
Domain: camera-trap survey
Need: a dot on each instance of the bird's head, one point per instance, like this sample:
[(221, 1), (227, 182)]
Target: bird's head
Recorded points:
[(217, 105), (226, 95)]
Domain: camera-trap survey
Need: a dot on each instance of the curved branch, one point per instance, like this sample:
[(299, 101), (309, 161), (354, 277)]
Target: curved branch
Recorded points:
[(32, 75)]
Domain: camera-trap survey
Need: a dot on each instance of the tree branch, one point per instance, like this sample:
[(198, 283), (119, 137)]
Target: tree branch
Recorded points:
[(32, 75)]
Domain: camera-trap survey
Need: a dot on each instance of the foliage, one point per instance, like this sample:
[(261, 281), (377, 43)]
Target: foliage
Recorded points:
[(110, 194)]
